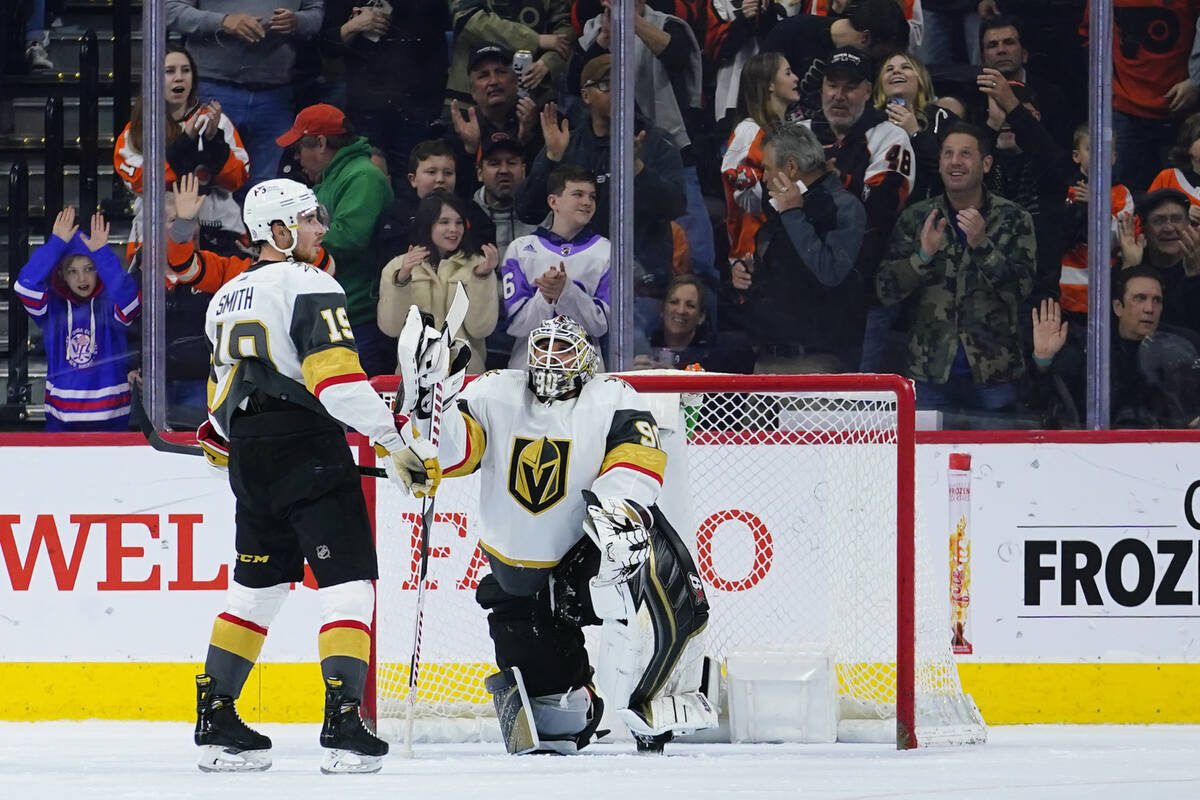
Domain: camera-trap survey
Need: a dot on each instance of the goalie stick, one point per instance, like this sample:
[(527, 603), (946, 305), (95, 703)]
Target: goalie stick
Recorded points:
[(156, 440), (454, 319)]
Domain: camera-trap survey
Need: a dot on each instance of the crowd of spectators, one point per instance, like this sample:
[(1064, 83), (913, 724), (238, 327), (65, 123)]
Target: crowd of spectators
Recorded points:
[(819, 185)]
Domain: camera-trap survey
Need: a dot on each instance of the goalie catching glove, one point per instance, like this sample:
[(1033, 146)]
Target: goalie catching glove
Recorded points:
[(425, 358), (411, 462), (621, 529)]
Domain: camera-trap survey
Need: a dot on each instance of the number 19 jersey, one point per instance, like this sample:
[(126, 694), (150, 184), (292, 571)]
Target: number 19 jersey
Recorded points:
[(280, 328)]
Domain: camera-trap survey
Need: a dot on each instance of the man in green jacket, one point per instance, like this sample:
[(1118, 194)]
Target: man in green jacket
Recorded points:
[(337, 162), (967, 258)]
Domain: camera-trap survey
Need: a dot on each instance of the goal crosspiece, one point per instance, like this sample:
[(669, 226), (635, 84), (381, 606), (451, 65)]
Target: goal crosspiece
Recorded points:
[(797, 494)]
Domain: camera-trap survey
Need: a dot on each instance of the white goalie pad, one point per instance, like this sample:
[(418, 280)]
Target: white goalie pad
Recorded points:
[(626, 649)]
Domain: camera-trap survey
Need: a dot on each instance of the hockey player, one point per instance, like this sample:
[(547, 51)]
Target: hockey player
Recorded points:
[(285, 378), (572, 467)]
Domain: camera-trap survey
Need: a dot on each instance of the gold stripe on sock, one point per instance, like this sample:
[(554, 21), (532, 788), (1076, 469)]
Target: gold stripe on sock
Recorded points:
[(242, 638), (345, 638)]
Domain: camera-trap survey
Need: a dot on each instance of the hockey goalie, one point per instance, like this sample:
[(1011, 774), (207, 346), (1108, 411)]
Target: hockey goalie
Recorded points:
[(572, 468)]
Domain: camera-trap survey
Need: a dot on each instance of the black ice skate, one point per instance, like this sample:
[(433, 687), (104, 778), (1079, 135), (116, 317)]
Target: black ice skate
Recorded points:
[(226, 743), (652, 745), (352, 747)]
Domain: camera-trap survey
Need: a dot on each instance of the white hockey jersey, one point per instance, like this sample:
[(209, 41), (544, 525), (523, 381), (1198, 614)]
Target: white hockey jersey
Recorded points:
[(537, 457), (281, 328), (585, 298)]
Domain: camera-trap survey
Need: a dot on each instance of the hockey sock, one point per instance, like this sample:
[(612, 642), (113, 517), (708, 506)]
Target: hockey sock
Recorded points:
[(345, 638), (232, 651), (345, 647)]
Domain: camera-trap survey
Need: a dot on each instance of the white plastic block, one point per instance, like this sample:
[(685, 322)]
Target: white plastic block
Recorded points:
[(782, 696)]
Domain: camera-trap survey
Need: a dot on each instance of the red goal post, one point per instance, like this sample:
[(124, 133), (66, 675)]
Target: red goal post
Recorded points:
[(817, 469)]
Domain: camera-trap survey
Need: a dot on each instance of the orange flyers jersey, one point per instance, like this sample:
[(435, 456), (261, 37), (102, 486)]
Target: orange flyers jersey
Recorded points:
[(128, 161), (1073, 282), (1176, 179), (207, 271), (1151, 45), (741, 173)]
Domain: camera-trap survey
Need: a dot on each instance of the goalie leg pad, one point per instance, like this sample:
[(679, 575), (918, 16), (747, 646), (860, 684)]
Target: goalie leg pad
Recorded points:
[(649, 625), (547, 649), (561, 723)]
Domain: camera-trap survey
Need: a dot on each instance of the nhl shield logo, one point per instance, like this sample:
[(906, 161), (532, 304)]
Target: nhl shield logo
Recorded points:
[(537, 472)]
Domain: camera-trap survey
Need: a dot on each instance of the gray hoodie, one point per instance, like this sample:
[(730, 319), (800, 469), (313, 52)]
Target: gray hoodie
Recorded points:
[(222, 56)]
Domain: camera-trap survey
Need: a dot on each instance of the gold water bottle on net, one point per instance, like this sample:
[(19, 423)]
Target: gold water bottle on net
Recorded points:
[(959, 478)]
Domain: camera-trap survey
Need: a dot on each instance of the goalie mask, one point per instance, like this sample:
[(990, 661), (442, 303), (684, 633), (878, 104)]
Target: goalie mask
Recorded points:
[(280, 200), (561, 359)]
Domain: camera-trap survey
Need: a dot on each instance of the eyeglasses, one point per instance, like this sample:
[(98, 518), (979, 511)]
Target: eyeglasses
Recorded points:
[(1158, 220), (602, 84)]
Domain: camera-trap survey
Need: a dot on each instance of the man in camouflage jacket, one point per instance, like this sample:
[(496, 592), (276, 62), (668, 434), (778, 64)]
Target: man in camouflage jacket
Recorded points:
[(968, 259)]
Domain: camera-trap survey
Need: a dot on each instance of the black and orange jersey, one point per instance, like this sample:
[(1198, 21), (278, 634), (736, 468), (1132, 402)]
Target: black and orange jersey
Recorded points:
[(1152, 40)]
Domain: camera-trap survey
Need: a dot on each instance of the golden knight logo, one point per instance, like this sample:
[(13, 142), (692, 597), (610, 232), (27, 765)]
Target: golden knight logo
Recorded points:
[(537, 472)]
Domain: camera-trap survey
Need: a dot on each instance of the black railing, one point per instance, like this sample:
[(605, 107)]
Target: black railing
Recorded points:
[(89, 125), (122, 64), (52, 157), (17, 398), (12, 38)]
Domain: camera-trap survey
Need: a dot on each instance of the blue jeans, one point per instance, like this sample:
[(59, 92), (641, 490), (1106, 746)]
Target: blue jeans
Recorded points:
[(699, 231), (948, 33), (376, 351), (260, 116), (880, 320), (961, 392), (35, 25), (1142, 146)]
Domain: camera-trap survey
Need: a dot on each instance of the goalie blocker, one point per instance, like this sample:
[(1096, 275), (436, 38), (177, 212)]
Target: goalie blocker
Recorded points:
[(649, 663)]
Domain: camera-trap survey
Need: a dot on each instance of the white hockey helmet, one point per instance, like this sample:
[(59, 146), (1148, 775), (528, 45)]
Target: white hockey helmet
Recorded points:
[(279, 200), (561, 359)]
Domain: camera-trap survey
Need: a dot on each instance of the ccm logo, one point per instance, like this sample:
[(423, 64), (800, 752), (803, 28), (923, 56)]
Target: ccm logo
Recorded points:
[(1129, 571)]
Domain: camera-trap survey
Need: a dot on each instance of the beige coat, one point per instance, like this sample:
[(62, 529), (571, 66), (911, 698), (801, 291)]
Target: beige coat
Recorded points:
[(431, 290)]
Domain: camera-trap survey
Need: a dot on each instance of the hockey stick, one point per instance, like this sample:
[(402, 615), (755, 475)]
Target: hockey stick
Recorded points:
[(454, 319), (153, 437), (156, 440)]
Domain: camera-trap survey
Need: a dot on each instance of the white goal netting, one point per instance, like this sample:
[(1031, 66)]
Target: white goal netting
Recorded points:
[(788, 489)]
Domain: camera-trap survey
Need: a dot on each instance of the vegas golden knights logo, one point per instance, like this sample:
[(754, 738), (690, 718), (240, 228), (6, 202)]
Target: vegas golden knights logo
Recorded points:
[(537, 473)]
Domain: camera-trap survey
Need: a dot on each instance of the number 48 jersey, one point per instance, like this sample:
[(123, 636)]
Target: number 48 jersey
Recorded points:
[(280, 328), (536, 458)]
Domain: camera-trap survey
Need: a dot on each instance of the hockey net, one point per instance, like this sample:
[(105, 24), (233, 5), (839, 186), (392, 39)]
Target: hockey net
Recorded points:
[(797, 496)]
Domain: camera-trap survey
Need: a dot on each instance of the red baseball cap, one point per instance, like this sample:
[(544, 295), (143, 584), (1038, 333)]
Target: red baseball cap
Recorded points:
[(321, 119)]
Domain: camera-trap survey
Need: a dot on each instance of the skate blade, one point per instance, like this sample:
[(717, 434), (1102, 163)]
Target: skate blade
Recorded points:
[(214, 758), (344, 762)]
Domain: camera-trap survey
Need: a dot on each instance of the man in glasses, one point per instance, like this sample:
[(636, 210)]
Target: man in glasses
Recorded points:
[(1172, 247)]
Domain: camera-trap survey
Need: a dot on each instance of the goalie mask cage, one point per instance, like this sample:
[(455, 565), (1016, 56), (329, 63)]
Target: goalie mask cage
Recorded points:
[(797, 497)]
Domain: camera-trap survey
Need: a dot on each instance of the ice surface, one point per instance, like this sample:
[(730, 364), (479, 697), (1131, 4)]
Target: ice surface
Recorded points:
[(157, 760)]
